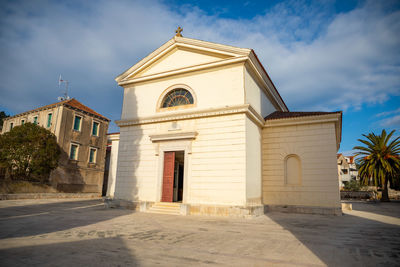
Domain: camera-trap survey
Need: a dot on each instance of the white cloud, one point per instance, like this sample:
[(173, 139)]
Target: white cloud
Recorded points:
[(387, 113), (392, 119), (391, 122), (316, 59)]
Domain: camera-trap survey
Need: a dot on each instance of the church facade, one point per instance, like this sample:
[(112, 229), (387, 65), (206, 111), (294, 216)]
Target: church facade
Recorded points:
[(204, 128)]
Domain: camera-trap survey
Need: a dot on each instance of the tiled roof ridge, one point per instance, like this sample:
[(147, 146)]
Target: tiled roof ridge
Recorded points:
[(78, 105), (39, 108), (70, 102), (293, 114)]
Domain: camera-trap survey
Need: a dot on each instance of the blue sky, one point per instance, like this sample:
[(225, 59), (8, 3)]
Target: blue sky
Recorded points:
[(321, 55)]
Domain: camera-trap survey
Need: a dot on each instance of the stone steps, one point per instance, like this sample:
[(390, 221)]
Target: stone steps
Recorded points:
[(166, 208)]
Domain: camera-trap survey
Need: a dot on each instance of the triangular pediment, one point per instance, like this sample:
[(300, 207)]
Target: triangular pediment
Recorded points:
[(185, 55), (180, 54), (180, 58)]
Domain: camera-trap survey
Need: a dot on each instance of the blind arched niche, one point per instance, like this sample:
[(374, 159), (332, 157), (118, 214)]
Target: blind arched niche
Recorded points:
[(292, 170)]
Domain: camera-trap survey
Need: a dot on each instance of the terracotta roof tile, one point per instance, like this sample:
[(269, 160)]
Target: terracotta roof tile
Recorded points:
[(78, 105), (289, 114), (69, 102)]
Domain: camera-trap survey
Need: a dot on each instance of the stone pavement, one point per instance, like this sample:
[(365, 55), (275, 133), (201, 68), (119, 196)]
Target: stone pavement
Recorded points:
[(71, 232)]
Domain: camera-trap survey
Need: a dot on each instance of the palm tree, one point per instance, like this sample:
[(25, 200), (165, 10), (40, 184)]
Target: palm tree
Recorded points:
[(379, 161)]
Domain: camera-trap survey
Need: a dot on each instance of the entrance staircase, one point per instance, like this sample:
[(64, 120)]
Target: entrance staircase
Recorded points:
[(166, 208)]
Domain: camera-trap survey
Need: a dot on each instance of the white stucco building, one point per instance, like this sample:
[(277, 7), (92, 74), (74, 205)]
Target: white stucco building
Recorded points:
[(347, 169), (204, 128)]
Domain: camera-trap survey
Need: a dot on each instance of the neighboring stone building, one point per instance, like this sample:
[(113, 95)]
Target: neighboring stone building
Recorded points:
[(204, 129), (347, 169), (81, 134)]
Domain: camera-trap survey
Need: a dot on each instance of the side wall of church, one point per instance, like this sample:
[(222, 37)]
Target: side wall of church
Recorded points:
[(216, 163), (299, 165), (253, 163), (256, 97)]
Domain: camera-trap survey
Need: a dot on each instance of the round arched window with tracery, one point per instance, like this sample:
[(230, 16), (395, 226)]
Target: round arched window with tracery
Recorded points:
[(177, 97)]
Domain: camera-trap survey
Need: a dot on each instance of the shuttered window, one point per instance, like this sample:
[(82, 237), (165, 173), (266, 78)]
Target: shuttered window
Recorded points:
[(49, 116), (77, 123), (95, 128), (73, 153), (92, 155)]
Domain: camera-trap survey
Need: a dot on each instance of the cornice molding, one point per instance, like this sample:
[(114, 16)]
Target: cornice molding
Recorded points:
[(170, 73), (303, 120), (218, 48), (193, 114), (113, 137), (172, 136), (153, 54)]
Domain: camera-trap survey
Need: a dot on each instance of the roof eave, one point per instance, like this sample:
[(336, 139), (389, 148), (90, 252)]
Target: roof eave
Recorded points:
[(269, 79), (87, 112)]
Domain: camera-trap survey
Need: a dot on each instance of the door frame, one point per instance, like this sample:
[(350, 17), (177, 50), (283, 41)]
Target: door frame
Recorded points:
[(182, 145)]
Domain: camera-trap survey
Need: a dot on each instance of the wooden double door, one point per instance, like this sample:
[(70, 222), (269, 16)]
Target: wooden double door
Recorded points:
[(172, 187)]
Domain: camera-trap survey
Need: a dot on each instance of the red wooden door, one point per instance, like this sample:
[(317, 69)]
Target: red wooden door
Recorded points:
[(168, 177)]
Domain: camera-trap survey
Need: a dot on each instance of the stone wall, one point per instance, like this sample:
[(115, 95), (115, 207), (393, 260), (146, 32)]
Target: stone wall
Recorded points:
[(299, 165)]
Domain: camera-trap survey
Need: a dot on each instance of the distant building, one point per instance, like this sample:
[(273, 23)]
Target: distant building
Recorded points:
[(81, 134), (347, 169)]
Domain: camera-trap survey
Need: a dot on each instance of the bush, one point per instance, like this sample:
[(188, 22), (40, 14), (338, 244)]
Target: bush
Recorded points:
[(352, 185), (29, 152)]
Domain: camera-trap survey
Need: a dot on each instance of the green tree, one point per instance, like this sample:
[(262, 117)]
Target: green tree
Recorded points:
[(379, 162), (29, 152), (3, 115)]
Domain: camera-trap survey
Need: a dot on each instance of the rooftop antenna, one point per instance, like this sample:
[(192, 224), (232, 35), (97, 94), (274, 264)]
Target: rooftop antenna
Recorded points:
[(65, 96)]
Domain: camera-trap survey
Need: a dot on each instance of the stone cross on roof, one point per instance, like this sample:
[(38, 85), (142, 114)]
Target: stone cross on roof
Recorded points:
[(178, 32)]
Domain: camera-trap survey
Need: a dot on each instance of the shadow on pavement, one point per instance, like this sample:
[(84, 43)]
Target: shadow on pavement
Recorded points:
[(346, 240), (391, 209), (92, 252), (28, 220)]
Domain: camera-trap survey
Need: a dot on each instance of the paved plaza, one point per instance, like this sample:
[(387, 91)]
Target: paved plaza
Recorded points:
[(83, 233)]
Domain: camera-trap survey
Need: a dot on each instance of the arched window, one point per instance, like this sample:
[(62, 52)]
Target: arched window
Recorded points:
[(292, 170), (177, 97)]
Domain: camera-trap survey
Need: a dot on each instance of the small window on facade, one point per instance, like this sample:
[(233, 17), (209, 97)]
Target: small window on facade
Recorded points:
[(92, 155), (77, 123), (73, 153), (177, 97), (11, 126), (49, 119), (95, 128), (35, 120), (22, 122)]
